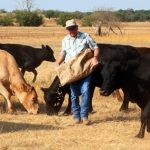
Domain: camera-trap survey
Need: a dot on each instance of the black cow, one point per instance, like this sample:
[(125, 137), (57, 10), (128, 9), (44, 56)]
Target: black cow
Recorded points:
[(141, 51), (133, 77), (27, 57), (54, 95)]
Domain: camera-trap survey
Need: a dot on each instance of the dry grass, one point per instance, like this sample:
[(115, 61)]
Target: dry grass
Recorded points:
[(110, 128)]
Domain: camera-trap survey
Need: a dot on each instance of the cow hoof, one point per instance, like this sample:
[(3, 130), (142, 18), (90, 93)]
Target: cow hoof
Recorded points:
[(66, 114), (140, 136)]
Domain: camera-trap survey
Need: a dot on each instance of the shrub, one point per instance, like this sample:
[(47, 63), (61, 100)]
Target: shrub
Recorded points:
[(87, 21), (26, 18), (63, 17), (6, 20)]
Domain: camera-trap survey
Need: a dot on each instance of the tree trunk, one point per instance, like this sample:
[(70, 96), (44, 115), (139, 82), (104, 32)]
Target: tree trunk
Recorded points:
[(98, 31)]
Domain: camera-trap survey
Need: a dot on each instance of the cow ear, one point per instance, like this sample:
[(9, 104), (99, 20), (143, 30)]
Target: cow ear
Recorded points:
[(49, 48), (43, 47), (44, 89)]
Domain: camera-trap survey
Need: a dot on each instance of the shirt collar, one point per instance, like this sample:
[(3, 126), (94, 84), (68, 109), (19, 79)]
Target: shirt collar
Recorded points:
[(70, 37)]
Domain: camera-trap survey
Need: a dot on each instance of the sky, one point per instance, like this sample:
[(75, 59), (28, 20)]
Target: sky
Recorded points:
[(78, 5)]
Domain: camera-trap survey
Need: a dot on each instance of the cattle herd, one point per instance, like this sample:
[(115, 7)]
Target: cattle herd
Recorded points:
[(121, 67)]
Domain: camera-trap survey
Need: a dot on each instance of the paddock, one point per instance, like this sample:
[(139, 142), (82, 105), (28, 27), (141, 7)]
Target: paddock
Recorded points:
[(110, 128)]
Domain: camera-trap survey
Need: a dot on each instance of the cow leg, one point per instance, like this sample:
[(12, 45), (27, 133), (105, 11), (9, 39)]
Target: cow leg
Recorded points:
[(92, 88), (144, 118), (7, 96), (68, 109), (125, 104), (142, 130), (35, 74), (148, 124)]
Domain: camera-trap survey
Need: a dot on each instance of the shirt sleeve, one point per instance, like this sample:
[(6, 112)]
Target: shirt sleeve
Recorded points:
[(92, 44), (63, 49)]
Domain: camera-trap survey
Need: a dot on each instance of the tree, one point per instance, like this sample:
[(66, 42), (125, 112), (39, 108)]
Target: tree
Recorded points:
[(105, 18), (63, 17), (49, 13), (3, 11), (25, 18), (6, 20), (26, 5), (86, 20)]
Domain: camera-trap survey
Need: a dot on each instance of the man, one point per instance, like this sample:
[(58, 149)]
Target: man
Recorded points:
[(72, 45)]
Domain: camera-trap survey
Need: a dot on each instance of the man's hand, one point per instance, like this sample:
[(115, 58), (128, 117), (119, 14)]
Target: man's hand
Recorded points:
[(94, 62)]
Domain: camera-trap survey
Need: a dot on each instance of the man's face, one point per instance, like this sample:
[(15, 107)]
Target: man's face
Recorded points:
[(73, 31)]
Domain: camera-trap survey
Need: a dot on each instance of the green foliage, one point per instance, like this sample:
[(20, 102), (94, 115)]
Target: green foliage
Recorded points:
[(63, 17), (87, 21), (131, 15), (3, 11), (51, 13), (30, 18), (6, 20), (77, 15), (26, 18)]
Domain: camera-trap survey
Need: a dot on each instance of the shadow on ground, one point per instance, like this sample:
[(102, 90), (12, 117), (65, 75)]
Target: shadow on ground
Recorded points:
[(116, 119), (18, 107), (6, 127)]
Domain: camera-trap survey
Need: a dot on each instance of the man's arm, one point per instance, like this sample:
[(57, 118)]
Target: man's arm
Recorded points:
[(60, 60), (95, 59), (97, 53)]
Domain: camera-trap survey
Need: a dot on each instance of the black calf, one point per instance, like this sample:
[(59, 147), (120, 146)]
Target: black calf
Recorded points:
[(28, 58)]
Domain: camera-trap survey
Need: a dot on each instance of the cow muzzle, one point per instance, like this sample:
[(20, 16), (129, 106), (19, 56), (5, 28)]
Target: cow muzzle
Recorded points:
[(34, 110), (104, 93)]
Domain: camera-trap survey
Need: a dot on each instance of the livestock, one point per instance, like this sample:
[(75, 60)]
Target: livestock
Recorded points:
[(121, 52), (133, 77), (54, 95), (13, 83), (27, 57), (141, 51)]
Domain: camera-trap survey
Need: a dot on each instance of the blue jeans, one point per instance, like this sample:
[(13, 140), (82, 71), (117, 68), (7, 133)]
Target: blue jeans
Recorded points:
[(80, 87)]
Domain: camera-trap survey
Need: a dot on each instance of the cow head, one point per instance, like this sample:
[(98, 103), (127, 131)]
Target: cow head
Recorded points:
[(28, 97), (54, 96), (49, 54), (113, 74), (110, 74)]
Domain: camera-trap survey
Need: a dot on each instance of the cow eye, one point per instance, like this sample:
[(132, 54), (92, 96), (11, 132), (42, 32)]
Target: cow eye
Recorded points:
[(35, 100)]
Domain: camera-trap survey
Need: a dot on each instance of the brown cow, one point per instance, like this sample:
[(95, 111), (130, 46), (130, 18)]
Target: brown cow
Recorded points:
[(12, 82)]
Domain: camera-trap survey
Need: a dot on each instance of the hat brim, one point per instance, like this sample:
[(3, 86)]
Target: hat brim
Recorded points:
[(71, 27)]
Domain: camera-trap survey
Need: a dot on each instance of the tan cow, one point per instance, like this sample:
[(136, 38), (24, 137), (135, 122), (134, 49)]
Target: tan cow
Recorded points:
[(12, 82)]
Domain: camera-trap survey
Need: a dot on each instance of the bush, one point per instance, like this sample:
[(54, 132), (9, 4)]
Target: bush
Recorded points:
[(63, 17), (87, 21), (6, 20), (26, 18)]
